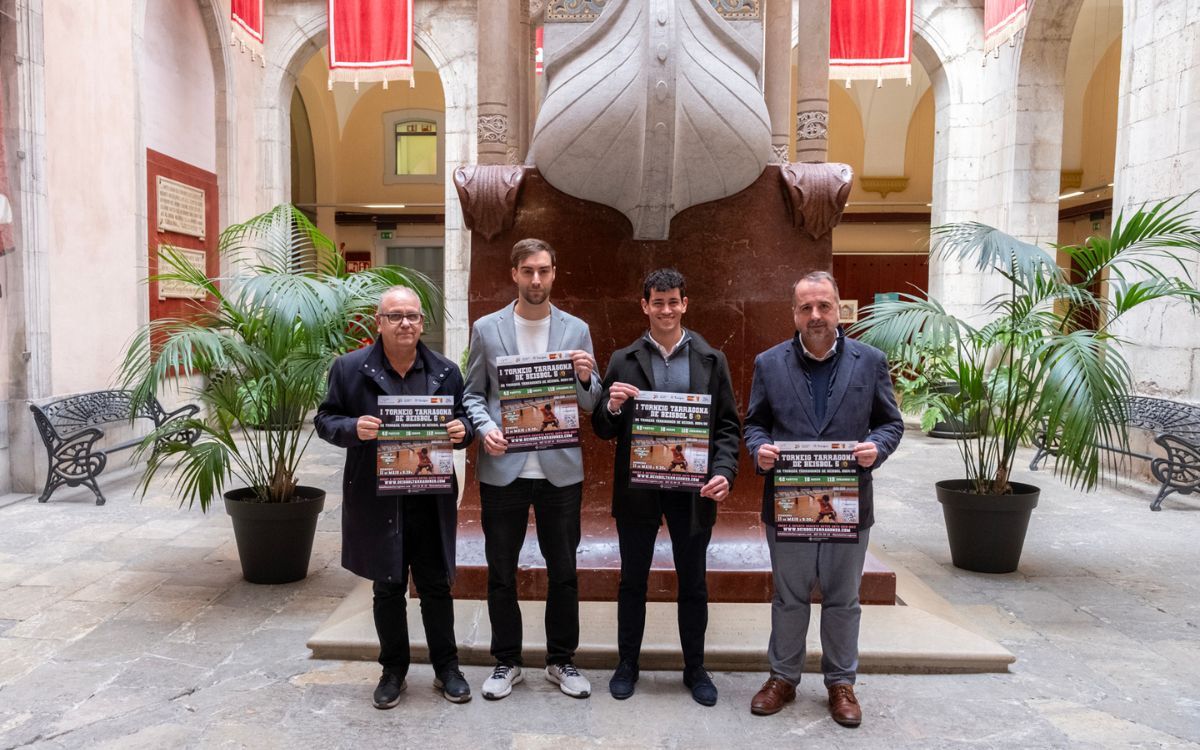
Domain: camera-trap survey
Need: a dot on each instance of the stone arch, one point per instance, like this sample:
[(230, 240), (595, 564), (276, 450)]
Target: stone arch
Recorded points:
[(1035, 159), (947, 40), (298, 31)]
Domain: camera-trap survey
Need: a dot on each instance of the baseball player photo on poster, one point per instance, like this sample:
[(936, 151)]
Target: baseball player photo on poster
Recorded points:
[(415, 456), (816, 492), (538, 406), (668, 449)]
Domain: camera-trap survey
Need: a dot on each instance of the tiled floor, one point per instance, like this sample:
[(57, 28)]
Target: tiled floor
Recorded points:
[(129, 626)]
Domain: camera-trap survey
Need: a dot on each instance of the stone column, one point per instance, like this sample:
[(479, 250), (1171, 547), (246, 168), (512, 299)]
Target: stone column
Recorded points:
[(497, 24), (812, 72), (777, 78), (28, 290)]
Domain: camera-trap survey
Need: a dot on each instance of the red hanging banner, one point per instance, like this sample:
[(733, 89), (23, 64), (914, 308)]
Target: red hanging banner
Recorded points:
[(538, 55), (370, 40), (870, 39), (247, 29), (1002, 20)]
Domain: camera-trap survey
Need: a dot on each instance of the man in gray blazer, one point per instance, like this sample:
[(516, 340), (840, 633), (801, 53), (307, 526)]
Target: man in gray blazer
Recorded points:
[(819, 386), (551, 481)]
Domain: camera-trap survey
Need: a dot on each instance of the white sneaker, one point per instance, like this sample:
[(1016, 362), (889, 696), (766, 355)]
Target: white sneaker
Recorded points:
[(500, 684), (568, 679)]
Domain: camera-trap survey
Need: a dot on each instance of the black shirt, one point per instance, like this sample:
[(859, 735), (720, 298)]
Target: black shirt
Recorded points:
[(412, 383)]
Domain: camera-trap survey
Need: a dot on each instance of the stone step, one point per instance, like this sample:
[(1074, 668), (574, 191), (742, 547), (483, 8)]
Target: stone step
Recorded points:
[(739, 565), (892, 638)]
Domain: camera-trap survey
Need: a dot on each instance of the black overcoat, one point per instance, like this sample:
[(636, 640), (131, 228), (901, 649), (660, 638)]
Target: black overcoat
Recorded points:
[(372, 532), (709, 374)]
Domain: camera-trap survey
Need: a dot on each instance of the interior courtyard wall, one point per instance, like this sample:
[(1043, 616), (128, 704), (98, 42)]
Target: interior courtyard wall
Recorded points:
[(361, 156), (446, 30), (90, 173), (178, 90), (1158, 157), (1097, 133)]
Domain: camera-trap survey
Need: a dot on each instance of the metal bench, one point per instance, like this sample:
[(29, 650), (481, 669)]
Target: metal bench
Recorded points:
[(1176, 428), (68, 427)]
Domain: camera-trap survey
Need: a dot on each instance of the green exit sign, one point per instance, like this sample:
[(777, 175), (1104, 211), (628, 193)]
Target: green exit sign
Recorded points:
[(385, 235)]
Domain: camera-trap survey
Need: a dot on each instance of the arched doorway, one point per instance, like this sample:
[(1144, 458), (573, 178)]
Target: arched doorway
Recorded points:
[(446, 37)]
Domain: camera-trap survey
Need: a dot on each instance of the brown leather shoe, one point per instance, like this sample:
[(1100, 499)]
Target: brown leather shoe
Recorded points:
[(843, 706), (771, 697)]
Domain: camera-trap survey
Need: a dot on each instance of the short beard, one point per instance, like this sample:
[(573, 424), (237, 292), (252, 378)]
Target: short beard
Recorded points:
[(527, 296)]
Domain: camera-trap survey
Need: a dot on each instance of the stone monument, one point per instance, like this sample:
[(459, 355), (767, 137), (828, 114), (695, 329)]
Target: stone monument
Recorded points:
[(652, 148)]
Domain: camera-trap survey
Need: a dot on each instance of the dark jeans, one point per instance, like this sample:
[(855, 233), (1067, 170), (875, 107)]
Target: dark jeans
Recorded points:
[(423, 554), (505, 512), (691, 564)]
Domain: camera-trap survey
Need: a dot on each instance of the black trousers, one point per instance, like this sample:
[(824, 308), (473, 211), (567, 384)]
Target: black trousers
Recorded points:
[(505, 515), (690, 551), (423, 555)]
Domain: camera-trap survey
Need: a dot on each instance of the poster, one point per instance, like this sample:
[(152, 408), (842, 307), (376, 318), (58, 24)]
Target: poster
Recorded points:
[(816, 492), (538, 407), (414, 454), (669, 445)]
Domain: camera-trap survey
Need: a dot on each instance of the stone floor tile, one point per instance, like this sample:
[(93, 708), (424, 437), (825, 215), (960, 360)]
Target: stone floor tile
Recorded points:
[(122, 586), (66, 620)]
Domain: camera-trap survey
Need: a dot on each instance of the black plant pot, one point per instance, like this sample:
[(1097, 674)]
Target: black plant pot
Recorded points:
[(274, 540), (986, 532)]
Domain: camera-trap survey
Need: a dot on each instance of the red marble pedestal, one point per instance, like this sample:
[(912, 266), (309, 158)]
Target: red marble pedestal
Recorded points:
[(740, 257)]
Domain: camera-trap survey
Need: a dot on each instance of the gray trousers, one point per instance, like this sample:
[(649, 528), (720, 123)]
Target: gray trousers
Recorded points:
[(796, 566)]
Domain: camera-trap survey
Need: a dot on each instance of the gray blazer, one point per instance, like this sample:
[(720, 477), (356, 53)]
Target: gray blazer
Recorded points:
[(493, 336)]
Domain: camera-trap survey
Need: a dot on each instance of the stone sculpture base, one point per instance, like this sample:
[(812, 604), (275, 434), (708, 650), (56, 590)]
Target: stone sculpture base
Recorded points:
[(740, 256)]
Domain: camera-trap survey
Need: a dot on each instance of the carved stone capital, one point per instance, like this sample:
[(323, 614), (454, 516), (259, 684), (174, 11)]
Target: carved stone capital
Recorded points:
[(816, 195), (488, 193)]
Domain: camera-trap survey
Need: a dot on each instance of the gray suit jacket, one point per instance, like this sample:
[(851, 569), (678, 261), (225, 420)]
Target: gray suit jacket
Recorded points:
[(493, 336)]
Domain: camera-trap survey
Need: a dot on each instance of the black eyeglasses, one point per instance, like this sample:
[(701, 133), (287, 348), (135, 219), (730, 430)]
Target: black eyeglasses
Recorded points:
[(396, 318)]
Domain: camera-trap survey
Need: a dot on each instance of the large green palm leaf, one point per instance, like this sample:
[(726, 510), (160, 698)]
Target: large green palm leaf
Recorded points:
[(1035, 364), (257, 354)]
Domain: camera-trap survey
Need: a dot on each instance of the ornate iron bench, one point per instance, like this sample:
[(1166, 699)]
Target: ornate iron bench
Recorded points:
[(69, 429), (1176, 428)]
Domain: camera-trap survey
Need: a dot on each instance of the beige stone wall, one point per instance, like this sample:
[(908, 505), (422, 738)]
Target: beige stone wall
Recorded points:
[(1158, 157), (91, 189)]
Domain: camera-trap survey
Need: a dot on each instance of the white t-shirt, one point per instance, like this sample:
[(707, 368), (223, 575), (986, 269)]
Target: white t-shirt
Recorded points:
[(533, 337)]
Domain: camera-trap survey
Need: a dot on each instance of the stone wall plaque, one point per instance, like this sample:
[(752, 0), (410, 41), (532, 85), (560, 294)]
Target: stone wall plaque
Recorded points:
[(180, 208), (180, 289)]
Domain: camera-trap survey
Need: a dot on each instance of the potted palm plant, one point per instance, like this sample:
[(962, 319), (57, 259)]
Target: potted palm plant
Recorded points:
[(258, 351), (1044, 356)]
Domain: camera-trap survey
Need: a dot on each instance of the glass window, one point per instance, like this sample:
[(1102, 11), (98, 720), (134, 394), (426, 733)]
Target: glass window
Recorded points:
[(416, 148)]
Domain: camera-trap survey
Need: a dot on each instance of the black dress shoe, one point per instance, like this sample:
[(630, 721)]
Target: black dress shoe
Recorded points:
[(700, 682), (453, 685), (624, 680), (387, 692)]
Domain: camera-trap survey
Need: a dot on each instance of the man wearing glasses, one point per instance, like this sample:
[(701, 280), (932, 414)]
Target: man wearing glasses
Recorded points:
[(384, 537), (550, 481)]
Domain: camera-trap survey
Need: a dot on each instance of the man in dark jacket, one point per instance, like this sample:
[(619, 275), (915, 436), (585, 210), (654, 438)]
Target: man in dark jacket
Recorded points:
[(383, 537), (668, 358), (819, 386)]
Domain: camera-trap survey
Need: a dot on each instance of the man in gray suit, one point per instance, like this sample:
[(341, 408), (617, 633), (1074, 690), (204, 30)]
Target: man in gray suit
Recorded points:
[(551, 481), (819, 386)]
